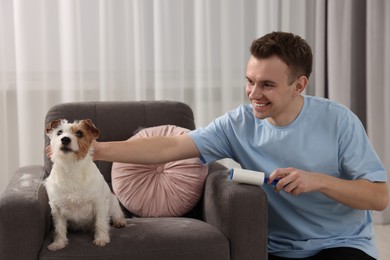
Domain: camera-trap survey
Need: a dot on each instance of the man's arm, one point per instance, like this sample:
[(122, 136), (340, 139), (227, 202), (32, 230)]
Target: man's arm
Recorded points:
[(150, 150), (359, 194)]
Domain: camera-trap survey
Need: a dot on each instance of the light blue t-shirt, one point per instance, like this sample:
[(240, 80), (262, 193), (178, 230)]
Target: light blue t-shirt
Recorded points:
[(326, 137)]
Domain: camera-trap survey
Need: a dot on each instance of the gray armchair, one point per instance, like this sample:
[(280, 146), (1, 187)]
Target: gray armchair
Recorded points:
[(229, 222)]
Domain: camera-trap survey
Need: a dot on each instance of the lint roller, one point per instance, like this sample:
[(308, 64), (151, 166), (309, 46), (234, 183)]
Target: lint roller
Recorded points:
[(249, 177)]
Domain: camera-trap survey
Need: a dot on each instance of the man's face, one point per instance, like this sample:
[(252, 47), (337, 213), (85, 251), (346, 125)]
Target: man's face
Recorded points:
[(271, 92)]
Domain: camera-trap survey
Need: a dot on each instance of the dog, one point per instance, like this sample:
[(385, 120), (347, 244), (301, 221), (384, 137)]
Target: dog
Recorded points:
[(79, 197)]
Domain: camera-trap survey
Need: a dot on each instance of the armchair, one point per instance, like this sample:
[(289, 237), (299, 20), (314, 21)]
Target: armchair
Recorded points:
[(229, 222)]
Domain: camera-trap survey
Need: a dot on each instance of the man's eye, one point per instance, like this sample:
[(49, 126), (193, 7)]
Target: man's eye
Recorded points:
[(59, 132), (79, 134), (250, 84)]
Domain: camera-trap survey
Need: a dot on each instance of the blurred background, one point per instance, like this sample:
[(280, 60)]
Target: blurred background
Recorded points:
[(195, 51)]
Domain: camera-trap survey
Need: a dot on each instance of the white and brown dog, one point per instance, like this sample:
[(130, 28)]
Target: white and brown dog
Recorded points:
[(79, 196)]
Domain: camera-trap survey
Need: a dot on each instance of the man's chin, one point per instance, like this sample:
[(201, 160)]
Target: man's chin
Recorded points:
[(259, 115)]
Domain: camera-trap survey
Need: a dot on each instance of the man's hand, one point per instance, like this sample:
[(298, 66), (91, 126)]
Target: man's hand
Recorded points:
[(358, 194), (49, 152), (295, 181)]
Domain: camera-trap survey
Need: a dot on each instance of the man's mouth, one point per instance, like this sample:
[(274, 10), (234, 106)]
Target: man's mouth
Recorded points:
[(262, 104)]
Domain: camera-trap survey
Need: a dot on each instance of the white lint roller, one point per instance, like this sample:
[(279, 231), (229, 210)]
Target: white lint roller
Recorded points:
[(249, 177)]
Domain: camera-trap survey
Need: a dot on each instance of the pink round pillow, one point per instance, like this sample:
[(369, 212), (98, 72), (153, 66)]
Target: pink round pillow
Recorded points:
[(164, 190)]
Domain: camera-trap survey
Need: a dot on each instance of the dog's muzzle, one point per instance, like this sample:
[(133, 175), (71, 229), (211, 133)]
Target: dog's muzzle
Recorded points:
[(65, 141)]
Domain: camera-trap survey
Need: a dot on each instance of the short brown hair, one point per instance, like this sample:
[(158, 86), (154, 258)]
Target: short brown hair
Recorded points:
[(290, 48)]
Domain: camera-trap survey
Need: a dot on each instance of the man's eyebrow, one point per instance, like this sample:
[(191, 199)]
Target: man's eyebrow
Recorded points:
[(262, 81)]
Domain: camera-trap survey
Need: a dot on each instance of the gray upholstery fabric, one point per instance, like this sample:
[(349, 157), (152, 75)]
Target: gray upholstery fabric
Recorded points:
[(240, 212), (24, 215), (230, 222), (150, 238)]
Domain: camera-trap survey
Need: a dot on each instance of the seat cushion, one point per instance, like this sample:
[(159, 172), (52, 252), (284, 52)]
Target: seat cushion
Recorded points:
[(163, 190), (148, 239)]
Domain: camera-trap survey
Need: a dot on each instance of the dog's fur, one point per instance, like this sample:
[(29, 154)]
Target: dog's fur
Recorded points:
[(79, 196)]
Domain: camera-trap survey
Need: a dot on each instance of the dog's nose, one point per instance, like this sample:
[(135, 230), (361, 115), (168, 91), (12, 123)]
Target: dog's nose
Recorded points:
[(65, 140)]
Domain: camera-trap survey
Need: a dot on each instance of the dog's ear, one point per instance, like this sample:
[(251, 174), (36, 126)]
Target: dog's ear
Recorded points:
[(52, 125), (91, 127)]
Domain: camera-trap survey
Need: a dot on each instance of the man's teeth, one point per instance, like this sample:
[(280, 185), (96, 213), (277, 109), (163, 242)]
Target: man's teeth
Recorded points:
[(261, 105)]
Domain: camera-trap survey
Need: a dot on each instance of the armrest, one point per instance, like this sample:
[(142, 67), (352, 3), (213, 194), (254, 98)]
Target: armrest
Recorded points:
[(240, 211), (24, 214)]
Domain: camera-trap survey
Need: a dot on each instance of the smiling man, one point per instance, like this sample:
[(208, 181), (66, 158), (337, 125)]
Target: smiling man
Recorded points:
[(330, 176), (266, 92)]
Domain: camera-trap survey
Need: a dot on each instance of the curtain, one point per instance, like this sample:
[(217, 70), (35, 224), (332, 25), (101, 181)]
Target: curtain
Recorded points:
[(54, 51)]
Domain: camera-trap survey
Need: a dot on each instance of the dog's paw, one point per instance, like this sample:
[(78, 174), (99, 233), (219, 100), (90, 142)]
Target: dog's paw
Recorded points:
[(57, 245), (101, 241), (120, 223)]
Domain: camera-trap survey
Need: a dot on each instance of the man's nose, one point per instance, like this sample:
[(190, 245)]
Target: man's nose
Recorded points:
[(256, 92)]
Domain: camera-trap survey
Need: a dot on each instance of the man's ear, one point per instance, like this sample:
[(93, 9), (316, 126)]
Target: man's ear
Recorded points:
[(301, 84)]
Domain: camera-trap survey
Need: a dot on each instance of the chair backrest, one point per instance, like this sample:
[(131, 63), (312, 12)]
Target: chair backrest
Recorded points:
[(119, 120)]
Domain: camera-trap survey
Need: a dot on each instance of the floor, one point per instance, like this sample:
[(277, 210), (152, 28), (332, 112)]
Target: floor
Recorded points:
[(382, 233)]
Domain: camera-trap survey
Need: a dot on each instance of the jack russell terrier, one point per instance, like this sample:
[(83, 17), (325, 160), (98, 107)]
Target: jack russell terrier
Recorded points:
[(79, 196)]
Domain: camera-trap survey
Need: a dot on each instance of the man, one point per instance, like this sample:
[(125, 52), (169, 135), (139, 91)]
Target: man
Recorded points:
[(330, 176)]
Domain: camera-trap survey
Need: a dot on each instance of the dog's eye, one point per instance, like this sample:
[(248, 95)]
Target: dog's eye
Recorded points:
[(79, 134), (59, 132)]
